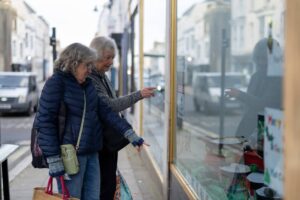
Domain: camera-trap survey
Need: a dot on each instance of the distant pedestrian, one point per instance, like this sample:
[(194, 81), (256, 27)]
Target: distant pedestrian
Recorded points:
[(70, 84), (106, 50)]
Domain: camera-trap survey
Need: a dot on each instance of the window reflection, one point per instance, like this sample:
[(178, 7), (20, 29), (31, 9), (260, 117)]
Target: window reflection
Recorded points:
[(154, 76), (228, 73)]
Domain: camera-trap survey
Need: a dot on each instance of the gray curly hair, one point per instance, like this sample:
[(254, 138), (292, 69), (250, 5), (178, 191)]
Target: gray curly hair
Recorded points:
[(101, 44), (73, 55)]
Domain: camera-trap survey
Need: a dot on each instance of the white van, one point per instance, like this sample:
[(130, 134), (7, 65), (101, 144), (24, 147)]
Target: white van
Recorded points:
[(18, 92), (207, 90)]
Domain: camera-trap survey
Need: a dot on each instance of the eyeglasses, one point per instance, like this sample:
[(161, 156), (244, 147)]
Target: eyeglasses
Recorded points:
[(89, 65)]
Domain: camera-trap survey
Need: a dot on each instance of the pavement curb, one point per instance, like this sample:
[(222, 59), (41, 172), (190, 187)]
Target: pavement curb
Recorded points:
[(22, 165), (19, 160)]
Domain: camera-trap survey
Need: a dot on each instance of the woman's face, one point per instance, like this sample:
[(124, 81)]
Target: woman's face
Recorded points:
[(82, 71), (106, 62)]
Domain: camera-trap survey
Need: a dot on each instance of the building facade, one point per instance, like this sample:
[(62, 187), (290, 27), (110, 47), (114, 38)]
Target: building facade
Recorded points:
[(218, 126), (199, 39), (7, 14), (252, 20), (27, 40)]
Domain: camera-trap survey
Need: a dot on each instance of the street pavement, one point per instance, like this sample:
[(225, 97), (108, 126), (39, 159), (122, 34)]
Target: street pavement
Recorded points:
[(23, 177)]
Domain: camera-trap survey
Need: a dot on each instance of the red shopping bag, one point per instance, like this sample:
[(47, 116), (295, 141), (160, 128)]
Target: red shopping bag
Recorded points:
[(46, 193)]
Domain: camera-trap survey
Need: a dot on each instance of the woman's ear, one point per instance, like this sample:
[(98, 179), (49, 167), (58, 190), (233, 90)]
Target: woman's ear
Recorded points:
[(75, 64)]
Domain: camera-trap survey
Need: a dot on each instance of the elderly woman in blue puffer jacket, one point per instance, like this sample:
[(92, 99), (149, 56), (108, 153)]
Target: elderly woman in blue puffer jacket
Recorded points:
[(69, 84)]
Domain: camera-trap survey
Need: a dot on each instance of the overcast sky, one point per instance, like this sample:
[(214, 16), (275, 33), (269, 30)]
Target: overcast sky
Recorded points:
[(75, 20)]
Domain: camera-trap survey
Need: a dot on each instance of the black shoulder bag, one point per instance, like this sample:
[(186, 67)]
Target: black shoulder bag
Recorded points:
[(112, 140), (38, 159)]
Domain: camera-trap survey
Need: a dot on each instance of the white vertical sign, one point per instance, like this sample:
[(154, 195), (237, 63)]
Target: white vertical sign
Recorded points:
[(275, 60), (273, 149)]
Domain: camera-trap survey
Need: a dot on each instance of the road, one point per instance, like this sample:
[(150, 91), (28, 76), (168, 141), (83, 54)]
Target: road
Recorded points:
[(15, 128), (210, 122)]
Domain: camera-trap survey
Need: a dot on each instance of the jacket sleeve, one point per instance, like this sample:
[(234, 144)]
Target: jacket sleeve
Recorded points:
[(117, 104), (47, 116), (111, 118), (121, 103)]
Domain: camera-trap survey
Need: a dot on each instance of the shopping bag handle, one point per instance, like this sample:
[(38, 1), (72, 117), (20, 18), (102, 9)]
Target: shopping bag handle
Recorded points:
[(65, 191), (49, 187)]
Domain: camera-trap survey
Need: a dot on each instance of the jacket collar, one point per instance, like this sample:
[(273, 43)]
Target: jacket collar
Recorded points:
[(100, 74), (69, 75)]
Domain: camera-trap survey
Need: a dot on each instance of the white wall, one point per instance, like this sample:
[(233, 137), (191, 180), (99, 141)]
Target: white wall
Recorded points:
[(30, 38)]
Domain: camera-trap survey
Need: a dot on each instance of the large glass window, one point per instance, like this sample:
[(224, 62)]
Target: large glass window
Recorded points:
[(130, 62), (154, 75), (229, 98), (136, 47)]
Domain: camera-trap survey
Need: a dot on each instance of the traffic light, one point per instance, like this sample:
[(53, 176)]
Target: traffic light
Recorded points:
[(53, 43)]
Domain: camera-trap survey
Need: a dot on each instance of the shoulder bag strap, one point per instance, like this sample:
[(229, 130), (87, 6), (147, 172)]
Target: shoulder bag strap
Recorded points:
[(82, 122)]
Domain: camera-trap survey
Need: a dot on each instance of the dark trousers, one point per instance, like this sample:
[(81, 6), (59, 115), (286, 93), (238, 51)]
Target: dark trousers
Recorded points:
[(108, 167)]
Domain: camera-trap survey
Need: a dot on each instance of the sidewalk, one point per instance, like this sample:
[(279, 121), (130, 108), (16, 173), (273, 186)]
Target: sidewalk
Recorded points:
[(130, 164)]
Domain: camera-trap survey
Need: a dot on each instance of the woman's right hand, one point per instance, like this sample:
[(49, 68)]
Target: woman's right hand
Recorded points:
[(135, 140), (148, 92), (56, 166), (140, 147)]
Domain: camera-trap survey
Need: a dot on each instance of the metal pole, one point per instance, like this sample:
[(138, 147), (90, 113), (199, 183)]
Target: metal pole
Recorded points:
[(5, 180), (0, 165), (222, 102)]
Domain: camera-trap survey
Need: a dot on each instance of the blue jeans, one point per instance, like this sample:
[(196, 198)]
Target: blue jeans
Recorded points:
[(85, 185)]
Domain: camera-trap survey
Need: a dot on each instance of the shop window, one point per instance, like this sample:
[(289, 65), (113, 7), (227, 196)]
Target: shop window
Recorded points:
[(14, 24), (31, 42), (228, 140), (21, 50), (14, 48), (154, 76), (242, 35), (26, 40), (261, 26)]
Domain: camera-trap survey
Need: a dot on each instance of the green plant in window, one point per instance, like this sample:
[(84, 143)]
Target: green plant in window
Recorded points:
[(267, 178)]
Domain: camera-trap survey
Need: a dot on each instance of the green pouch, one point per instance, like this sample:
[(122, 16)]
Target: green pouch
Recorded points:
[(69, 157)]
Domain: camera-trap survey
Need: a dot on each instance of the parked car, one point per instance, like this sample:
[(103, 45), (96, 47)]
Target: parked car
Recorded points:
[(207, 90), (18, 92)]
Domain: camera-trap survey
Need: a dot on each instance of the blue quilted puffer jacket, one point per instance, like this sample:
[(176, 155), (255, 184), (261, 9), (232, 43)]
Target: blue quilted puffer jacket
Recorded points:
[(64, 87)]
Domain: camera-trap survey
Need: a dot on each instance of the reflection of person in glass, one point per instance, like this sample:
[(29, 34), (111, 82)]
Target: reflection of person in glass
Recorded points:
[(263, 90)]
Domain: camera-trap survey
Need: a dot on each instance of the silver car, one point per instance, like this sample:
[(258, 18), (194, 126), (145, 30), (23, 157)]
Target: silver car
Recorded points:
[(18, 92), (207, 90)]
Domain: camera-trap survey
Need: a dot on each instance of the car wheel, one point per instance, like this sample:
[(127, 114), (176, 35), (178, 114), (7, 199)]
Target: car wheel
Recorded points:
[(204, 107), (30, 109), (35, 107), (196, 105)]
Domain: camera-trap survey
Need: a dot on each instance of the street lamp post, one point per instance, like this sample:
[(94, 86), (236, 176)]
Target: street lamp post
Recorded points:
[(225, 44)]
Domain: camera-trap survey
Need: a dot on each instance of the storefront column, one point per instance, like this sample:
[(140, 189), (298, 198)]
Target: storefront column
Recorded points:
[(141, 60), (292, 102), (170, 92)]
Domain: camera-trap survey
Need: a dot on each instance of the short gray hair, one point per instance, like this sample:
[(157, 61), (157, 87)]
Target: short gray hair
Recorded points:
[(101, 44), (74, 54)]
